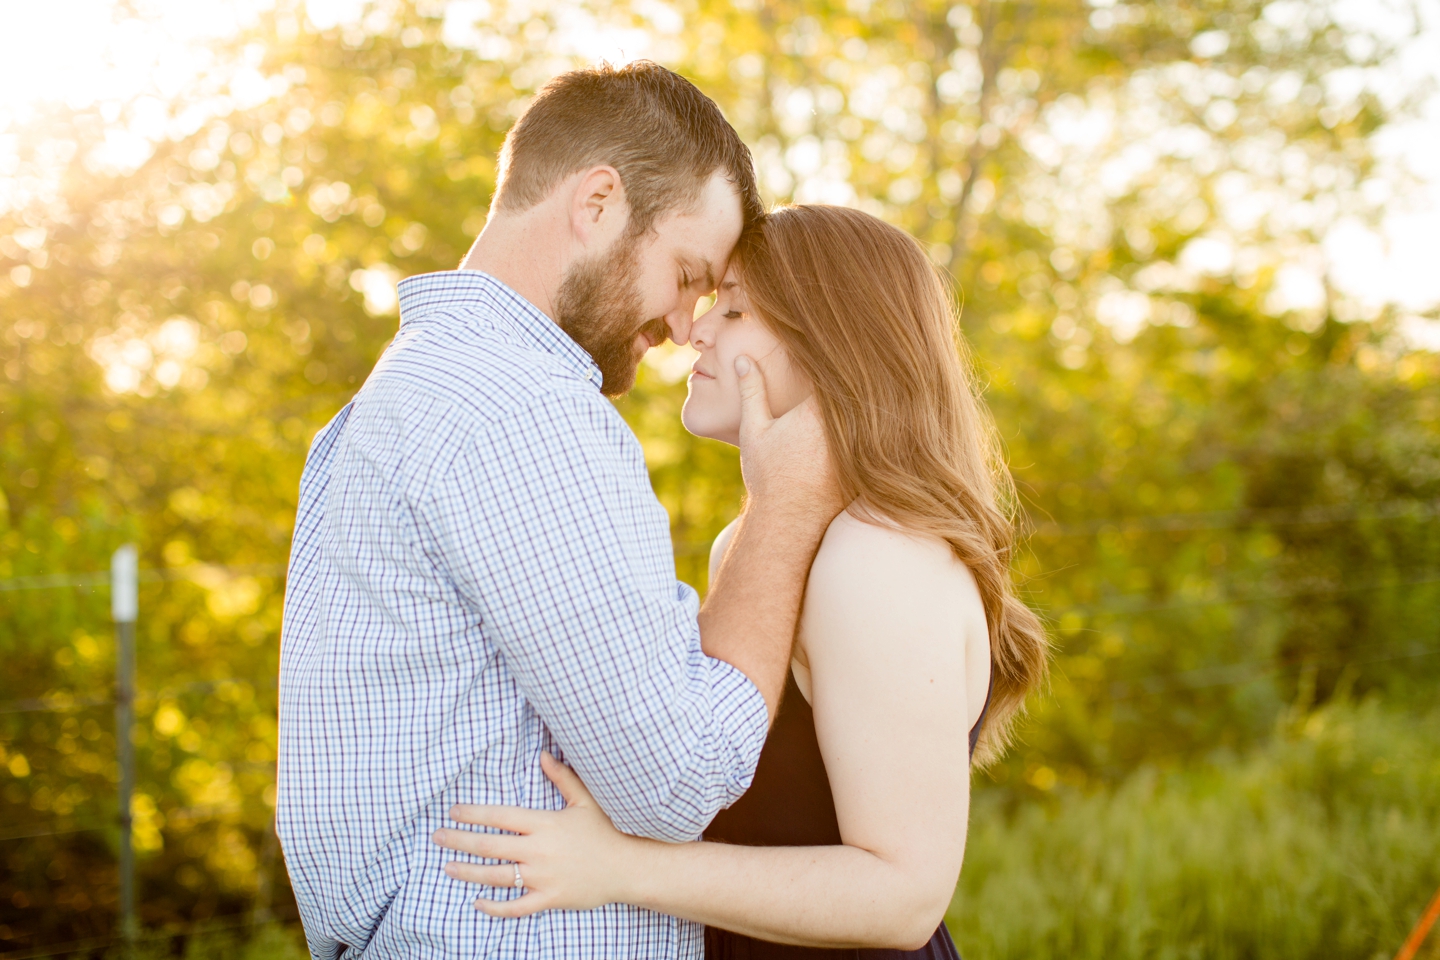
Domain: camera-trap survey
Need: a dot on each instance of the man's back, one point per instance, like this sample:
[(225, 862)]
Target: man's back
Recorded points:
[(481, 572)]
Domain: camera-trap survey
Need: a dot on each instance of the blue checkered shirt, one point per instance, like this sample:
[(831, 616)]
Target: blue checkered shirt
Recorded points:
[(480, 572)]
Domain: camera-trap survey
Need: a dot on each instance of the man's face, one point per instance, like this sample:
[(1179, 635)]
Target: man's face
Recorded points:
[(620, 303)]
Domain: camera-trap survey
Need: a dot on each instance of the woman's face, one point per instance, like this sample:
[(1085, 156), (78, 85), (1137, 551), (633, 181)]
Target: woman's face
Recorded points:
[(729, 330)]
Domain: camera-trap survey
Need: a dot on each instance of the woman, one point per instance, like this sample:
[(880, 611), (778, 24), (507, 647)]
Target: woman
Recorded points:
[(853, 831)]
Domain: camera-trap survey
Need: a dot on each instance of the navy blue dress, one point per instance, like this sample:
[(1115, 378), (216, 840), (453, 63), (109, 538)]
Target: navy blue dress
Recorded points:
[(789, 804)]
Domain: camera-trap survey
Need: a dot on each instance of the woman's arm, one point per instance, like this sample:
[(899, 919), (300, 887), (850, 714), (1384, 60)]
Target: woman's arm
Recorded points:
[(576, 860), (887, 622)]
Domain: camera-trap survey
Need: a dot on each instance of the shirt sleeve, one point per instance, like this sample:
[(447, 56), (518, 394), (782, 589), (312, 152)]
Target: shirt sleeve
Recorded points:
[(549, 527)]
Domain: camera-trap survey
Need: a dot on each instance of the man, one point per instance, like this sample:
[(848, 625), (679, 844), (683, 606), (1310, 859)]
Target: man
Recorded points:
[(481, 571)]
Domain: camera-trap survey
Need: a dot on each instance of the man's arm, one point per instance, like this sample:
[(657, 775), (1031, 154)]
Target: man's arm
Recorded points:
[(546, 523), (756, 589)]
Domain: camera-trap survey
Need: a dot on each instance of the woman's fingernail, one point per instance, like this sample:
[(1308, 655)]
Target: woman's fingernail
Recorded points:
[(742, 365)]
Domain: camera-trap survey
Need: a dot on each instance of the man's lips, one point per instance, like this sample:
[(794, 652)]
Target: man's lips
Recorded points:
[(654, 333)]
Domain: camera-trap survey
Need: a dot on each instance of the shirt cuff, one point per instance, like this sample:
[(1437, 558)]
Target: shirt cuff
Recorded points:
[(744, 723)]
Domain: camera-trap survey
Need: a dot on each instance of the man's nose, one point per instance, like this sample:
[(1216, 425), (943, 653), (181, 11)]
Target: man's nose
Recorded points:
[(679, 323)]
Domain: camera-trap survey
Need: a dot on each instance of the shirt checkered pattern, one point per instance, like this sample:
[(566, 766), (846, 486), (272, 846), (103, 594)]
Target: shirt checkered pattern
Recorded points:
[(480, 572)]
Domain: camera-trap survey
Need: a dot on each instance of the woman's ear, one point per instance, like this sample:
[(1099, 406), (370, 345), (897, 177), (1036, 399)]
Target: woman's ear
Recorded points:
[(599, 211)]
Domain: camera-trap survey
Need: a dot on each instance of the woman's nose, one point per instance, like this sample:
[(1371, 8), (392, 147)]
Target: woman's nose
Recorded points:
[(702, 331)]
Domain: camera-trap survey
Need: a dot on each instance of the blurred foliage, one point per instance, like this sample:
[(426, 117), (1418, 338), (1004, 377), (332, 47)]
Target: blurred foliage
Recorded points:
[(268, 941), (1231, 489)]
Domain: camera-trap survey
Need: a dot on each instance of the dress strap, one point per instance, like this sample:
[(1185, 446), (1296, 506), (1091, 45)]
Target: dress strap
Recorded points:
[(975, 730)]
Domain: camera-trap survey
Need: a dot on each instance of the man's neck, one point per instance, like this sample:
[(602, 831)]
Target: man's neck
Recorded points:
[(523, 251)]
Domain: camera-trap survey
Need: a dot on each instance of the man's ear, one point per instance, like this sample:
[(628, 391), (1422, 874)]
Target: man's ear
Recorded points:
[(598, 208)]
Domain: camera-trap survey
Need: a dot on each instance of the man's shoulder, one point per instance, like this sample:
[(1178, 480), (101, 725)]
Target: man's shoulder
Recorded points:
[(444, 393), (478, 372)]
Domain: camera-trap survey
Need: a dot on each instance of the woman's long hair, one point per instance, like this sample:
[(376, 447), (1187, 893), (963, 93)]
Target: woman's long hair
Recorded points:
[(863, 314)]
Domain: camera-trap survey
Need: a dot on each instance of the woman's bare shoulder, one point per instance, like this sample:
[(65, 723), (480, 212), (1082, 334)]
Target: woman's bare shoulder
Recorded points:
[(870, 569), (867, 543), (719, 545)]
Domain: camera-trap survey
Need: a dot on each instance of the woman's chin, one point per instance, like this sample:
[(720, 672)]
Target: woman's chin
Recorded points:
[(702, 426)]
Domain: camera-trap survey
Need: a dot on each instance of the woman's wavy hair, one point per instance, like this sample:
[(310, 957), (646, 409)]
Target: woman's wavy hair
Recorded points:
[(863, 313)]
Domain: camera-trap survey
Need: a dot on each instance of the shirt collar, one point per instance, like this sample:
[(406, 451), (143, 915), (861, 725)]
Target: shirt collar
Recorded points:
[(467, 292)]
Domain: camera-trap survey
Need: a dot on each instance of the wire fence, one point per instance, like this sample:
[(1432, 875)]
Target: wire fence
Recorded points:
[(1123, 605), (1238, 519), (33, 833), (1245, 518), (195, 572), (64, 702)]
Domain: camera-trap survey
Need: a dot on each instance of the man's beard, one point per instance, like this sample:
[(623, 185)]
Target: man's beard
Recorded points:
[(598, 306)]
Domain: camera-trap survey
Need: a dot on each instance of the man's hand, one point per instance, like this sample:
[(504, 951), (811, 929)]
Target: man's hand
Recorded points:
[(785, 460), (750, 614)]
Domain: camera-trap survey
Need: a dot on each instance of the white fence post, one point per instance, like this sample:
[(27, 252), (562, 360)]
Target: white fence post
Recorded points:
[(124, 607)]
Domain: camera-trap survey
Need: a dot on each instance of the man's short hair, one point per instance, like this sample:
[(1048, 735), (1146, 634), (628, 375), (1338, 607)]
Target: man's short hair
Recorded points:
[(664, 137)]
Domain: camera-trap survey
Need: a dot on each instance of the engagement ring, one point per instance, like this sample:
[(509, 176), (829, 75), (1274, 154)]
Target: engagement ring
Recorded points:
[(519, 880)]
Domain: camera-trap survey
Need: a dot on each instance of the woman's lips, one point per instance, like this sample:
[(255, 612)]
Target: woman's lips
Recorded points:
[(697, 374)]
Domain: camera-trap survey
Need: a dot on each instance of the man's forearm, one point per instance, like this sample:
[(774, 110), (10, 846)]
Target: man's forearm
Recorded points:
[(750, 614)]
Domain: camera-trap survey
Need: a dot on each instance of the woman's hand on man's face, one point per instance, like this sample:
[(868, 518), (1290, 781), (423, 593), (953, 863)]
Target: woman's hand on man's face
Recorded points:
[(572, 859)]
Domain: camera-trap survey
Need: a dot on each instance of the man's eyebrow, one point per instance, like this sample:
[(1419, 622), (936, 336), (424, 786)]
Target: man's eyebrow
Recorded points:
[(709, 272)]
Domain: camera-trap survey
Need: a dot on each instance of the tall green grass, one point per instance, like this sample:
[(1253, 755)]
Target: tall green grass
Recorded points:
[(264, 942), (1323, 845)]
